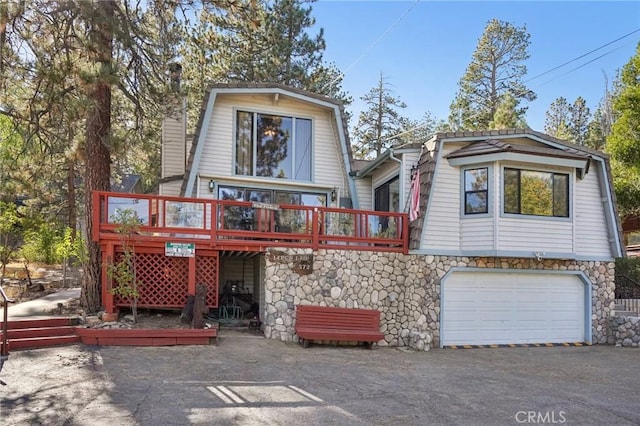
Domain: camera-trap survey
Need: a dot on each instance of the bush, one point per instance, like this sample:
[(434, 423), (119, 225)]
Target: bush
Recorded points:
[(628, 278)]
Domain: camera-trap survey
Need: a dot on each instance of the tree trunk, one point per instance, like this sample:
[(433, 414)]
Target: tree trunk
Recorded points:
[(98, 128)]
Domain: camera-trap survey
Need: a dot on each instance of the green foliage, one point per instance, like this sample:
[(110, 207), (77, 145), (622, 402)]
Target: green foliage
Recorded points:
[(9, 232), (629, 267), (123, 271), (256, 41), (569, 121), (496, 70), (623, 144)]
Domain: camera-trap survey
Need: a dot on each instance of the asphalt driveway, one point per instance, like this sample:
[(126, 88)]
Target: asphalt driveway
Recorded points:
[(250, 380)]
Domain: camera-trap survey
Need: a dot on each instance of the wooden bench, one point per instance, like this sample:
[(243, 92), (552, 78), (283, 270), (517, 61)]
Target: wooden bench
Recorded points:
[(337, 324)]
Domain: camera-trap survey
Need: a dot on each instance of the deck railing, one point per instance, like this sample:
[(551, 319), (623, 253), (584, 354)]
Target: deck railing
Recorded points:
[(229, 224)]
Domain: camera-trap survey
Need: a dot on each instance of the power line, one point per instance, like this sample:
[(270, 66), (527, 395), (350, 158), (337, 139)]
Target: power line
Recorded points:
[(372, 45), (541, 74), (583, 55)]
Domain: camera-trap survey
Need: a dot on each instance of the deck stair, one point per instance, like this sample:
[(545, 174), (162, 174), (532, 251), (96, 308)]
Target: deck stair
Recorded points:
[(41, 332)]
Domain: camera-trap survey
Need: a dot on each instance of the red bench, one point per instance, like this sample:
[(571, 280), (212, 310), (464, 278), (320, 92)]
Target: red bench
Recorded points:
[(337, 324)]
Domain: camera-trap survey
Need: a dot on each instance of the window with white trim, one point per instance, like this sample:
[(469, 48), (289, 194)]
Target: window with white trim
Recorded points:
[(476, 191), (273, 146), (536, 193)]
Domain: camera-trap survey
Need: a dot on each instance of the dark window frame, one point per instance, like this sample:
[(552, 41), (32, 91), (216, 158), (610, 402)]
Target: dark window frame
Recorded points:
[(484, 191), (297, 146), (556, 203)]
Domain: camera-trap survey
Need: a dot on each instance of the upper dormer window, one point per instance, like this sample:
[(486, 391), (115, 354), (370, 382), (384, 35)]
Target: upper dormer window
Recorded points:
[(536, 193), (476, 191), (273, 146)]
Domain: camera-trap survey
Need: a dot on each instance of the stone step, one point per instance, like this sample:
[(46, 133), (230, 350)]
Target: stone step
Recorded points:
[(624, 313)]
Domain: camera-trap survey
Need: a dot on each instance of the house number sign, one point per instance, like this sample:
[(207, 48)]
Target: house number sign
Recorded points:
[(180, 249), (300, 263)]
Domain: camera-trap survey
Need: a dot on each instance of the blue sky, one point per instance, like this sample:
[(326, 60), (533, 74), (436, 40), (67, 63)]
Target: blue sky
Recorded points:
[(423, 53)]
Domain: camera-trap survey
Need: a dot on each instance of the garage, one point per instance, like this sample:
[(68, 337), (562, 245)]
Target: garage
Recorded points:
[(495, 307)]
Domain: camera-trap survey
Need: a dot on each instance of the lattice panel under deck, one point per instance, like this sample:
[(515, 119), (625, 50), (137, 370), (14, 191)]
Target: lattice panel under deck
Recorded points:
[(207, 273), (163, 281)]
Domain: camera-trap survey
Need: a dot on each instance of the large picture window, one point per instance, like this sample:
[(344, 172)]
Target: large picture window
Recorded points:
[(273, 146), (536, 193), (476, 191)]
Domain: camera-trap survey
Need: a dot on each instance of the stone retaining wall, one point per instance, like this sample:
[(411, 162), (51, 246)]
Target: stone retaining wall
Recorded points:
[(404, 288), (625, 331)]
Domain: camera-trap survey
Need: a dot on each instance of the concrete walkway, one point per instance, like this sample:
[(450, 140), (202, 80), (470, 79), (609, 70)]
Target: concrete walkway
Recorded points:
[(44, 306)]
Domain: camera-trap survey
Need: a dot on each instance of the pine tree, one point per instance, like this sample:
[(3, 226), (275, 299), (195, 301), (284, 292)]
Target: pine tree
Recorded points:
[(268, 42), (623, 144), (557, 119), (506, 116), (379, 122), (496, 69), (92, 80), (579, 120)]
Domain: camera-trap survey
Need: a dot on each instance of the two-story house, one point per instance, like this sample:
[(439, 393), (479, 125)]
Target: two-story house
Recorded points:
[(511, 240)]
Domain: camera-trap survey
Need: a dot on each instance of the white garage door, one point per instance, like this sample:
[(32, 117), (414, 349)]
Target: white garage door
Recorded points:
[(481, 308)]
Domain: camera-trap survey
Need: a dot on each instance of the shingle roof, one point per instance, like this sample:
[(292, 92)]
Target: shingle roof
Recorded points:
[(492, 146)]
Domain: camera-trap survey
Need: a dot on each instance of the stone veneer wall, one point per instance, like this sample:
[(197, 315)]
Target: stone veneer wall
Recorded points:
[(625, 331), (404, 288)]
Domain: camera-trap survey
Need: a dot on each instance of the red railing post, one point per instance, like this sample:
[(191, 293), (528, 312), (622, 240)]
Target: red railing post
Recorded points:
[(108, 255), (214, 222), (191, 283), (405, 234), (315, 229)]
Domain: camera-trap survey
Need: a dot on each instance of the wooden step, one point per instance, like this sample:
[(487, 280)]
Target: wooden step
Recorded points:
[(40, 322), (42, 342), (27, 333)]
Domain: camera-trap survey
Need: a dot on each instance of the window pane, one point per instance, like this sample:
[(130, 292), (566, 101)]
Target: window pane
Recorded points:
[(475, 179), (561, 195), (394, 195), (303, 150), (314, 200), (475, 202), (536, 193), (260, 196), (244, 146), (476, 190), (511, 191), (274, 157), (288, 198)]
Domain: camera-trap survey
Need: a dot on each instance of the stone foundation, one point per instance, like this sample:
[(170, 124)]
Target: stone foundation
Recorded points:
[(404, 288), (625, 331)]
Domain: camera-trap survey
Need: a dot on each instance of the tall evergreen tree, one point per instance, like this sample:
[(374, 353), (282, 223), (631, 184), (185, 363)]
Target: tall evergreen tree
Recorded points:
[(623, 144), (72, 64), (379, 122), (558, 116), (579, 123), (269, 42), (506, 115), (496, 69)]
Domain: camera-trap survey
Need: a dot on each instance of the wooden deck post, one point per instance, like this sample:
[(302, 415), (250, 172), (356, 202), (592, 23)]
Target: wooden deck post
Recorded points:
[(191, 284), (108, 256)]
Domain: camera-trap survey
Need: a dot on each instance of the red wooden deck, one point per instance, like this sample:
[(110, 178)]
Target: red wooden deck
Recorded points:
[(213, 226)]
